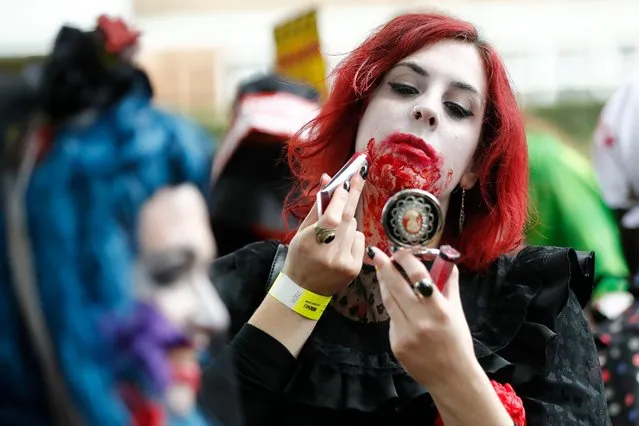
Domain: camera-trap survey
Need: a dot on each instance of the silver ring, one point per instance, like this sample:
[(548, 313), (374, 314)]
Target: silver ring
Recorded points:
[(424, 287), (323, 235)]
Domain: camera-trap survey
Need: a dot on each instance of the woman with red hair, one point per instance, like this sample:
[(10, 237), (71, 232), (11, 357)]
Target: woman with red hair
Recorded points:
[(341, 338)]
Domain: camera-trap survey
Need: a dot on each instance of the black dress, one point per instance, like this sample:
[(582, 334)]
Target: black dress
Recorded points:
[(525, 315)]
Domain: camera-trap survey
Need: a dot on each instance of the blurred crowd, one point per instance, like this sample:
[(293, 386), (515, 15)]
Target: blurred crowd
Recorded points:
[(73, 206)]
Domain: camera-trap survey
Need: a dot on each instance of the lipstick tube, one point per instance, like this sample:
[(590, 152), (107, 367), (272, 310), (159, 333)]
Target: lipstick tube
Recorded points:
[(443, 265)]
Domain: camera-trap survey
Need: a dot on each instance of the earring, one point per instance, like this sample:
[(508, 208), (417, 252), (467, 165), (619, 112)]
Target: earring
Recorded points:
[(462, 214)]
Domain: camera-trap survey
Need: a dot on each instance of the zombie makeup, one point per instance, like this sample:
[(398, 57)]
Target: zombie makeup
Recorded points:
[(173, 287), (399, 162)]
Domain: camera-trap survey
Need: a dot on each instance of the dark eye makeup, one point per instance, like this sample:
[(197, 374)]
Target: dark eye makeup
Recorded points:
[(168, 266), (455, 110)]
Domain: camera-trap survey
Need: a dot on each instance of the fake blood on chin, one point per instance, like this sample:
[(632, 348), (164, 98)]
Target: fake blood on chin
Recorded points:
[(401, 161), (404, 161)]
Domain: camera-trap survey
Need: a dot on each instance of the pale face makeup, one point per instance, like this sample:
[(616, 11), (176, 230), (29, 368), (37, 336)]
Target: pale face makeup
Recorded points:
[(177, 247), (445, 83), (435, 98)]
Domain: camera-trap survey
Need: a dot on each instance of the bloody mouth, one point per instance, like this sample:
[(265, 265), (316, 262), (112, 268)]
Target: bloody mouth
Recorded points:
[(404, 161), (413, 147), (400, 161)]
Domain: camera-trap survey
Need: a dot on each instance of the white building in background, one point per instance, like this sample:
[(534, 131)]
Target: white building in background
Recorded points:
[(198, 50), (28, 27), (553, 49)]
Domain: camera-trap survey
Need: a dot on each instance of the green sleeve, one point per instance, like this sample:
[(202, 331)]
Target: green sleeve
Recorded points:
[(566, 209)]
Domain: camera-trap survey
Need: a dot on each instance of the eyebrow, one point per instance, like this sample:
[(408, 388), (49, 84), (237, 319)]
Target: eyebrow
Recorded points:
[(421, 71)]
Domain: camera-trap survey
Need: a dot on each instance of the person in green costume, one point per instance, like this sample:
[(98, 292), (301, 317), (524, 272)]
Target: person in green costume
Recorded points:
[(566, 209)]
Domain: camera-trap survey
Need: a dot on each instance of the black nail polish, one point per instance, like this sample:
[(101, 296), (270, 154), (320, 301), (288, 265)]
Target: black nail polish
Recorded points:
[(370, 252), (347, 185), (363, 172)]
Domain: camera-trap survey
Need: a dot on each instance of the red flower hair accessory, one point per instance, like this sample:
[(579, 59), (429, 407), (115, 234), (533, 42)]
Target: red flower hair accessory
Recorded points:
[(117, 34)]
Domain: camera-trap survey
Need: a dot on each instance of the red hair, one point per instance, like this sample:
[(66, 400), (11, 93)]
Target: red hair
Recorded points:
[(495, 208)]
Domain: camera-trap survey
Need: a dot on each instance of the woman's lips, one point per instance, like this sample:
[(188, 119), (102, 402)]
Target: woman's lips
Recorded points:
[(412, 146)]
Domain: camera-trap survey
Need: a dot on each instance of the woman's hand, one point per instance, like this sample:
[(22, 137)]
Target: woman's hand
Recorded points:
[(318, 267), (429, 335), (431, 339), (325, 268)]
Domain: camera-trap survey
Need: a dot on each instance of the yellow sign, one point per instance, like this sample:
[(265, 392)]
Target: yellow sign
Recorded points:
[(298, 55)]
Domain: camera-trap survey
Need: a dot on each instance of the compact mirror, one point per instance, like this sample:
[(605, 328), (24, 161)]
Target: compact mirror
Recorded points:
[(412, 218)]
